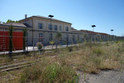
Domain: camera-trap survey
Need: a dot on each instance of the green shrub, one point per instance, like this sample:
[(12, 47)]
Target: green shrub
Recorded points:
[(55, 73), (30, 74), (24, 39), (107, 44), (51, 42), (70, 49), (39, 45), (10, 40), (89, 44), (97, 51), (121, 48)]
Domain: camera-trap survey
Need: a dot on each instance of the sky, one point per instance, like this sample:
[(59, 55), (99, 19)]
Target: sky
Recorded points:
[(105, 14)]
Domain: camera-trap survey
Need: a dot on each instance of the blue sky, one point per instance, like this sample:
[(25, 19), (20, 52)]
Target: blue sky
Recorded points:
[(105, 14)]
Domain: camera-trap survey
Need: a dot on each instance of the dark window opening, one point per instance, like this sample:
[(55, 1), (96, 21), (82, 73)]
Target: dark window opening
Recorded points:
[(50, 26), (40, 26)]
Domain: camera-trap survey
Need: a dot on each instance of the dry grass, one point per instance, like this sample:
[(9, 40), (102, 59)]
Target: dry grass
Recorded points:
[(60, 66), (94, 58)]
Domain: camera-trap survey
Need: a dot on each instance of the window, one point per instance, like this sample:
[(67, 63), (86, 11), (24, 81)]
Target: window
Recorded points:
[(40, 26), (40, 37), (55, 27), (40, 34), (50, 26), (66, 28), (60, 28)]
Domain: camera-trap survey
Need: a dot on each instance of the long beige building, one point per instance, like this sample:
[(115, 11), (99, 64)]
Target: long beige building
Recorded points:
[(43, 29)]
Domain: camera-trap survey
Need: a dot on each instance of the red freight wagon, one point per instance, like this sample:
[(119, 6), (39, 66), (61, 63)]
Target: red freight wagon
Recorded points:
[(17, 40)]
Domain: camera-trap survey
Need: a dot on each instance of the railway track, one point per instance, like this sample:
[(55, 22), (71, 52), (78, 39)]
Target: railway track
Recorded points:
[(18, 65)]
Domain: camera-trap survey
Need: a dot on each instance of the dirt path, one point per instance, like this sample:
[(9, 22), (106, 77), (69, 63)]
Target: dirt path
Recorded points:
[(102, 77)]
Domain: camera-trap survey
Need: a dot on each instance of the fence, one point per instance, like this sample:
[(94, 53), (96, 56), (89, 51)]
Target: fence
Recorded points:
[(28, 42)]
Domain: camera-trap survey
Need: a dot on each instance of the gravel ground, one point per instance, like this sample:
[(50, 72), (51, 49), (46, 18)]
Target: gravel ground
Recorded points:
[(102, 77)]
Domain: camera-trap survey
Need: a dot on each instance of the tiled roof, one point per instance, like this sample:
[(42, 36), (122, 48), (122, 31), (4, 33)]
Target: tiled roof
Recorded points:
[(103, 33), (46, 18), (16, 24), (91, 32), (73, 29)]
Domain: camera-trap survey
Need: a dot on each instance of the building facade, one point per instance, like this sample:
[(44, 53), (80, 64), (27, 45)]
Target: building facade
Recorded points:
[(45, 29)]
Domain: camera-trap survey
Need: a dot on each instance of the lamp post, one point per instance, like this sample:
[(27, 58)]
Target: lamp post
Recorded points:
[(51, 16), (112, 32), (93, 26)]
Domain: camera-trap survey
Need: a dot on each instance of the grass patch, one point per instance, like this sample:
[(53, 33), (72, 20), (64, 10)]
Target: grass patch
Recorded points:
[(53, 73), (97, 51), (30, 74), (60, 66)]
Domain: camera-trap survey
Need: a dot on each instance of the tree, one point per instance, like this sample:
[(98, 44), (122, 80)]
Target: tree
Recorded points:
[(98, 37), (11, 21), (24, 38), (58, 37), (52, 43), (39, 46), (3, 22), (10, 39), (78, 44), (85, 37), (67, 40)]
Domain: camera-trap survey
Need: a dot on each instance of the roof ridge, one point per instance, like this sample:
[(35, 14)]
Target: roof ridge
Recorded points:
[(47, 18)]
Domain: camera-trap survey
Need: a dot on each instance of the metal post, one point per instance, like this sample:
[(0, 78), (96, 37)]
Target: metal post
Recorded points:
[(27, 40), (4, 40), (33, 34)]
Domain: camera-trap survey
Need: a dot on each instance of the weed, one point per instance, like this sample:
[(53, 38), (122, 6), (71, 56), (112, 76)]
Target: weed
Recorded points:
[(98, 51), (30, 74), (53, 73), (70, 49), (90, 58)]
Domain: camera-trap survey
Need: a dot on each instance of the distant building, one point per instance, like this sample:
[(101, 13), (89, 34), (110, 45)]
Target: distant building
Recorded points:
[(44, 29)]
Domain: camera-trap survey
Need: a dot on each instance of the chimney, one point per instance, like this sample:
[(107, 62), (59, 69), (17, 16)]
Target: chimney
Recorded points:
[(25, 16)]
